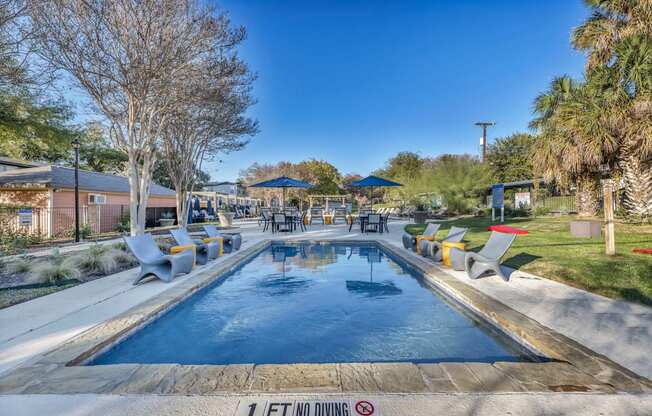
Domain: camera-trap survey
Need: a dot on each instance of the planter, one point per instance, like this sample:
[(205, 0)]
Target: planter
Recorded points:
[(166, 222), (226, 218), (586, 228), (420, 216)]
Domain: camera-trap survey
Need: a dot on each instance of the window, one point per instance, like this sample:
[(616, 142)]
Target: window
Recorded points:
[(97, 199)]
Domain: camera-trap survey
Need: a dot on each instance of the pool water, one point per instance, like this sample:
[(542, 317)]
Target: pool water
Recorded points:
[(315, 303)]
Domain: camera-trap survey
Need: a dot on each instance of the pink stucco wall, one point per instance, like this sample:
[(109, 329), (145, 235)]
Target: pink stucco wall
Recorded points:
[(61, 218), (66, 198), (101, 218)]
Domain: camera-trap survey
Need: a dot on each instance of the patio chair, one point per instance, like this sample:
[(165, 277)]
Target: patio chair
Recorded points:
[(488, 258), (205, 252), (262, 219), (316, 214), (232, 242), (373, 221), (300, 221), (410, 241), (279, 221), (433, 248), (340, 213), (153, 261), (385, 221)]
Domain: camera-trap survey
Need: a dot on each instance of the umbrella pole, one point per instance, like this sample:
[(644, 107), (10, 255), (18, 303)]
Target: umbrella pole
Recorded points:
[(283, 204)]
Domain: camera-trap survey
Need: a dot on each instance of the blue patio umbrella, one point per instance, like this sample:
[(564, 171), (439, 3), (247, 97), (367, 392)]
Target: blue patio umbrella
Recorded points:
[(189, 210), (209, 208), (282, 182), (197, 204), (374, 181)]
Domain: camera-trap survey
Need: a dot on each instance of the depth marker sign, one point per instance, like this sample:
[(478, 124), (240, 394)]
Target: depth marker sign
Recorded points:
[(306, 408)]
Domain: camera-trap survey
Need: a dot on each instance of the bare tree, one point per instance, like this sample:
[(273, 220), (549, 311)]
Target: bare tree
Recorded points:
[(127, 55), (209, 117)]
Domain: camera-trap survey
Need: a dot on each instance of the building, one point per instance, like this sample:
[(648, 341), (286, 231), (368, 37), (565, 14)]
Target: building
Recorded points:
[(43, 199), (11, 164), (226, 188)]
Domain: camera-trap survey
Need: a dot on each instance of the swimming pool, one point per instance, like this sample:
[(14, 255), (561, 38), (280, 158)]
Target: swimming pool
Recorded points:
[(316, 303)]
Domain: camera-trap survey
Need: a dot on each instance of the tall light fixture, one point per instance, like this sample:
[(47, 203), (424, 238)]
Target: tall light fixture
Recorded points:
[(483, 140), (76, 145)]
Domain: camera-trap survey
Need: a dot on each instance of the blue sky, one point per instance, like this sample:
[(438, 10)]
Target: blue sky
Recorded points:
[(355, 82)]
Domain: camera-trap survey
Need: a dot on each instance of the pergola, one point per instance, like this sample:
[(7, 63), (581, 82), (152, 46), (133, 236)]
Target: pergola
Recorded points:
[(218, 199), (326, 198)]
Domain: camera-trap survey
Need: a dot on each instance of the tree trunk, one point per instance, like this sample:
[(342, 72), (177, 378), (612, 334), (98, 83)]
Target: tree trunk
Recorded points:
[(638, 185), (182, 207), (139, 182), (586, 197)]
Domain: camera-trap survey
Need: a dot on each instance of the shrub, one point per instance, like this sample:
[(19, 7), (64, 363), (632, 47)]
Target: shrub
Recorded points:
[(164, 245), (541, 211), (119, 246), (123, 258), (98, 259), (124, 224), (519, 212), (22, 265), (56, 269), (13, 242), (84, 232)]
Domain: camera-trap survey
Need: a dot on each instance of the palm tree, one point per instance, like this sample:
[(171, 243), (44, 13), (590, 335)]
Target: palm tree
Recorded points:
[(633, 66), (618, 39), (572, 142), (547, 102), (611, 22)]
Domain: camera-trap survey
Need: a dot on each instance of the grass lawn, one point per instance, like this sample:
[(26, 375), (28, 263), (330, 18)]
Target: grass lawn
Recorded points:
[(550, 251)]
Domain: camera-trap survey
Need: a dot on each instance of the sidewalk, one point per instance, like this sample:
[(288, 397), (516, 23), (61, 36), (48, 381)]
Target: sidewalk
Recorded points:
[(386, 405)]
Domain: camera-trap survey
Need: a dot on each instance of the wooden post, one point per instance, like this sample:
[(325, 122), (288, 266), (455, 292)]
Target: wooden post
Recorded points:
[(609, 232)]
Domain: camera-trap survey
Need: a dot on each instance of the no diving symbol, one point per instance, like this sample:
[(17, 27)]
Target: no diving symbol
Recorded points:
[(364, 408)]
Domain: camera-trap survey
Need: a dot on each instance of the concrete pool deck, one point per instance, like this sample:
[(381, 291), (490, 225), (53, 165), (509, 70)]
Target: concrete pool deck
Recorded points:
[(618, 330)]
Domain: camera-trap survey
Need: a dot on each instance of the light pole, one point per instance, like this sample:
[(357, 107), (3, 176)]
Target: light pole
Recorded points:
[(483, 143), (75, 145)]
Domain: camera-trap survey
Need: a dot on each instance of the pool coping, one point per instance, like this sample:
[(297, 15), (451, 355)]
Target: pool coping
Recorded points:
[(572, 366)]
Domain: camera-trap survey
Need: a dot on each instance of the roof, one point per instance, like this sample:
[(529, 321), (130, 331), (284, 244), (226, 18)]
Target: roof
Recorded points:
[(518, 184), (220, 183), (60, 177), (18, 163)]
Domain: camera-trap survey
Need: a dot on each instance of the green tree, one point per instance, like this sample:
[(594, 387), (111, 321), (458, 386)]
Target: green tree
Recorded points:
[(324, 176), (97, 154), (405, 165), (161, 176), (34, 130), (460, 180), (510, 158)]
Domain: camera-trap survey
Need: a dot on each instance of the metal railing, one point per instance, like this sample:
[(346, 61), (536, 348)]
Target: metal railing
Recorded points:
[(60, 221)]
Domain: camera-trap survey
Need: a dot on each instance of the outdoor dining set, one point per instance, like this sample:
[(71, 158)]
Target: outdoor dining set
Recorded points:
[(292, 219)]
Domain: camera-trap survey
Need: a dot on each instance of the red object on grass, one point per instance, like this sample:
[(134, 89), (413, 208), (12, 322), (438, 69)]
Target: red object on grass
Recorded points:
[(643, 250), (507, 230)]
